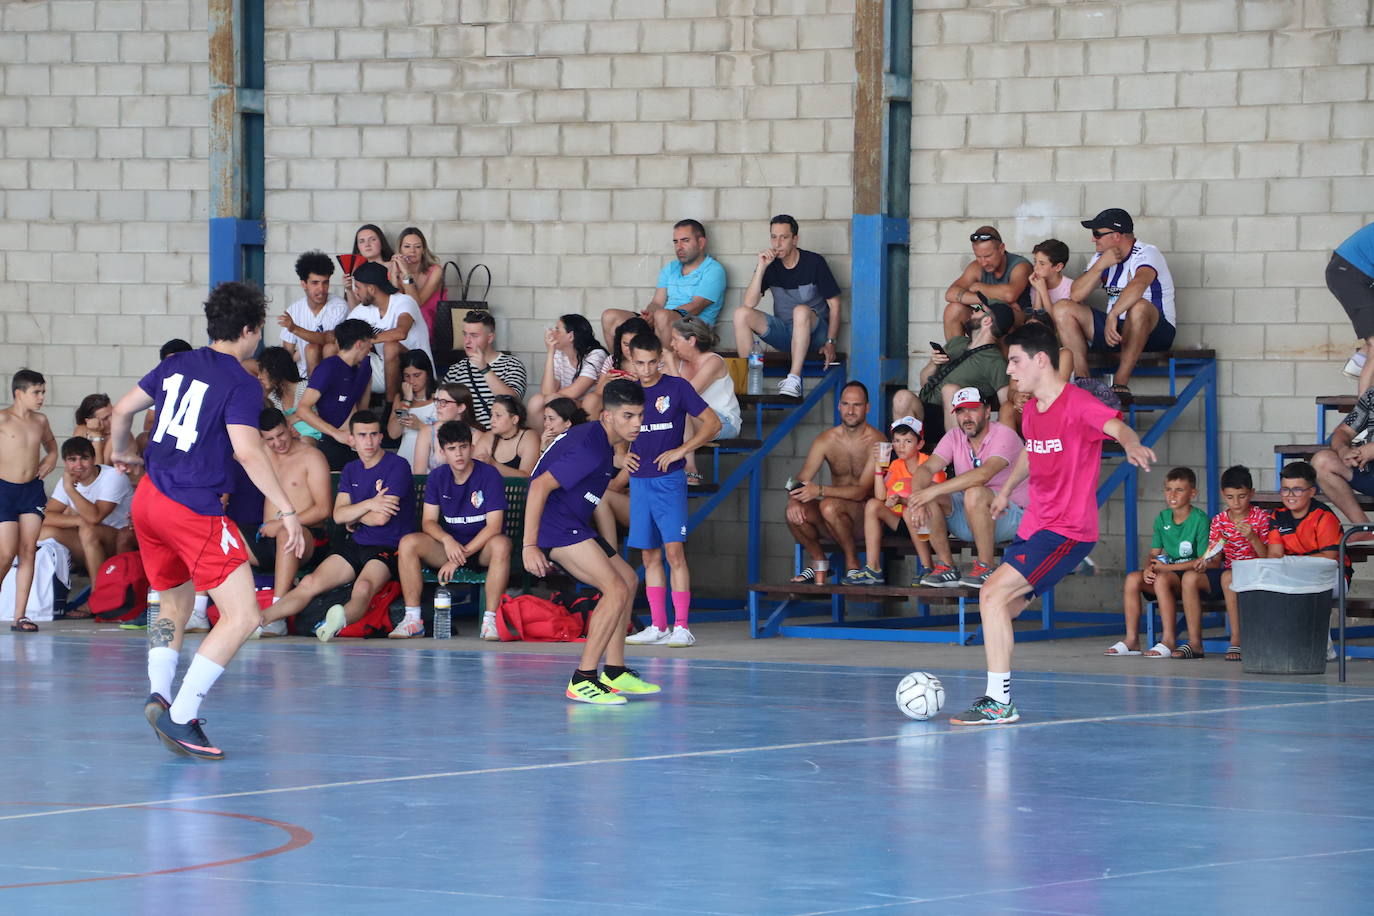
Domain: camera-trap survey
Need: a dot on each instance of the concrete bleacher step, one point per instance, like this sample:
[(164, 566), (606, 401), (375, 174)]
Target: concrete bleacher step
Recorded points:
[(865, 591), (1150, 360)]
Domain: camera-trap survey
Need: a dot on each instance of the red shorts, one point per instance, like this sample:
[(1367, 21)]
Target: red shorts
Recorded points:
[(178, 545)]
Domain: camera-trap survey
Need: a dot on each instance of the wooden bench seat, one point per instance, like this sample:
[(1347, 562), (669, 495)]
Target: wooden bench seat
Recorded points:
[(1099, 359)]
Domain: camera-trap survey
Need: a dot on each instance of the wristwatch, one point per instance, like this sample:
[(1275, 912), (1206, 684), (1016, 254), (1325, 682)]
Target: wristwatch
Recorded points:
[(830, 340), (408, 280)]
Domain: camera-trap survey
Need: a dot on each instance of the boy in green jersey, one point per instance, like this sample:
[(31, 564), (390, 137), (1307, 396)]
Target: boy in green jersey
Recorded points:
[(1179, 541)]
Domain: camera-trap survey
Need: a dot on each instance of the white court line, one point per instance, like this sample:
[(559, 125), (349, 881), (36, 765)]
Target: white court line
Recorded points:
[(685, 755), (1072, 881)]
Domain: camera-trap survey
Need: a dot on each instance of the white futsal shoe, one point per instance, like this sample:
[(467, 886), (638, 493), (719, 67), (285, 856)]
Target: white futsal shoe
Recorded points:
[(649, 636)]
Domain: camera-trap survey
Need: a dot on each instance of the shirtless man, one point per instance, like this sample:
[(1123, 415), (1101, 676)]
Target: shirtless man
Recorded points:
[(22, 499), (836, 509), (304, 475), (994, 272), (88, 512)]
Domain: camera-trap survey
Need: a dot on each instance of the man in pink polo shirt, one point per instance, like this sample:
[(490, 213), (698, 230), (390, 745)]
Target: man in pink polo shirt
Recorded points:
[(982, 454)]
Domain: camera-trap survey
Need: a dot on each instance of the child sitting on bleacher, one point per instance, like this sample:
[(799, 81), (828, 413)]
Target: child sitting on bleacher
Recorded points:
[(1308, 528), (891, 487), (1241, 531), (1179, 540)]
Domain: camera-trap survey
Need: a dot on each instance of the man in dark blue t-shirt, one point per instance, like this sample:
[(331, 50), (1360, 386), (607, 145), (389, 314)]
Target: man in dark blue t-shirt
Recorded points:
[(806, 303), (464, 511), (658, 488), (338, 386), (565, 488), (376, 503)]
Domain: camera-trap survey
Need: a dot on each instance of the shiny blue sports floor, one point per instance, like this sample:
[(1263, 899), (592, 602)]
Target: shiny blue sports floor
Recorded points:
[(365, 778)]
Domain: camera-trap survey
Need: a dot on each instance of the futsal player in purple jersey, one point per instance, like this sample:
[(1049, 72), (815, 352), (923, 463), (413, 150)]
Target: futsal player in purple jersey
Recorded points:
[(565, 489), (207, 409)]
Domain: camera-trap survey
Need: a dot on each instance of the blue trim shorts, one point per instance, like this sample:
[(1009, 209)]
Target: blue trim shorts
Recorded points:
[(658, 510), (1002, 532), (1045, 557), (778, 335), (18, 499)]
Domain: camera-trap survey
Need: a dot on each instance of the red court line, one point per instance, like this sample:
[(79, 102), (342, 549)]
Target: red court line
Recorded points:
[(298, 837)]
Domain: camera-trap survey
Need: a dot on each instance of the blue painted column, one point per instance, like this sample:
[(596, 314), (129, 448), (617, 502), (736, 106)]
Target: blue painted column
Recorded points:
[(236, 141)]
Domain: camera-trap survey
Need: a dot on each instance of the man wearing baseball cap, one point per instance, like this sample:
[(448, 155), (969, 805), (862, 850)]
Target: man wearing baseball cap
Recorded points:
[(1140, 299), (395, 319), (981, 454), (971, 360)]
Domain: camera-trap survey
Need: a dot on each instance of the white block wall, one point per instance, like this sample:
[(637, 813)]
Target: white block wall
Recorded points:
[(558, 140), (103, 202)]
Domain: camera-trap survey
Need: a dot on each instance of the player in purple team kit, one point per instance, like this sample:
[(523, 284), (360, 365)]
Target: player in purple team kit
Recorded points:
[(376, 503), (465, 508), (658, 488), (565, 489), (207, 410), (339, 386)]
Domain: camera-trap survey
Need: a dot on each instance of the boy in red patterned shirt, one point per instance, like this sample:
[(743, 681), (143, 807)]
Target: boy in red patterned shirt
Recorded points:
[(1241, 531)]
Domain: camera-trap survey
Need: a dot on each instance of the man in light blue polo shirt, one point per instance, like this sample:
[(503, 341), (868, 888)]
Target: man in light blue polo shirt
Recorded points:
[(693, 284)]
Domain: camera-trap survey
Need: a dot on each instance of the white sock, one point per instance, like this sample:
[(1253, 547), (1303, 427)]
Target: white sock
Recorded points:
[(200, 677), (999, 686), (162, 669), (412, 613), (202, 602), (491, 614), (794, 377)]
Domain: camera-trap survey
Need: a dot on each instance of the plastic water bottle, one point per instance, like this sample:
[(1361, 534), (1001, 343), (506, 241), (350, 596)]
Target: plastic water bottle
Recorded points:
[(755, 382), (443, 615), (154, 606)]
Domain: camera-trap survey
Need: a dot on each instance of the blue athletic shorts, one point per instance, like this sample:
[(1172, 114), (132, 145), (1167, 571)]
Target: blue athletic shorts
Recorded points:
[(1003, 531), (1362, 479), (779, 333), (658, 510), (1045, 557), (18, 499), (1160, 339)]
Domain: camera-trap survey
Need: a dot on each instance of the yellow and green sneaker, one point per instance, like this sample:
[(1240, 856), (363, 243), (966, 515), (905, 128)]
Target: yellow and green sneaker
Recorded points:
[(594, 693), (629, 681)]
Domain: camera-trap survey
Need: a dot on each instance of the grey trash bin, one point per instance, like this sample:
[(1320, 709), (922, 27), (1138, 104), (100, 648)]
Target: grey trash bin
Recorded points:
[(1285, 613)]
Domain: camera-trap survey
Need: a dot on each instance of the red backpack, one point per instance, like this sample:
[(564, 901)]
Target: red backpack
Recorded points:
[(536, 619), (120, 591)]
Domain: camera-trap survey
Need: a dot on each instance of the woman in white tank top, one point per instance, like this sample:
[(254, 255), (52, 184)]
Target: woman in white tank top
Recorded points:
[(690, 356)]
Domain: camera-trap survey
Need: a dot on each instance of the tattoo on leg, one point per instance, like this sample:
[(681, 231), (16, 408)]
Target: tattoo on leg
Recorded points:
[(161, 633)]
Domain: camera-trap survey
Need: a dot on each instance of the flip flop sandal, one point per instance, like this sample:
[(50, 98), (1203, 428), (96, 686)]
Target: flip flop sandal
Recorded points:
[(24, 625), (805, 577), (1121, 389), (1233, 653), (1186, 651), (1119, 650), (1160, 651)]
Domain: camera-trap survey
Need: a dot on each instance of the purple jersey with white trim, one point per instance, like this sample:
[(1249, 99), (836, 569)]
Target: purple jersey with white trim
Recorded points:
[(463, 507), (360, 483), (667, 405), (198, 394), (581, 461), (341, 387)]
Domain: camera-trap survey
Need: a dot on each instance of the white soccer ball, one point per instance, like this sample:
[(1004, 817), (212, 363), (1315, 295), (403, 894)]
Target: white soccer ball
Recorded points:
[(920, 695)]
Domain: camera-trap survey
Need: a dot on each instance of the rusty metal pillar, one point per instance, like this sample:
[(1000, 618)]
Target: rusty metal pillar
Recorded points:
[(880, 229), (236, 140)]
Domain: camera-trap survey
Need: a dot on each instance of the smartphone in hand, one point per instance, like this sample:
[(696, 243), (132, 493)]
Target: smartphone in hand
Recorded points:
[(938, 348)]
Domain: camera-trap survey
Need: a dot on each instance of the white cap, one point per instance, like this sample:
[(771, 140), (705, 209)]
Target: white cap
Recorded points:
[(966, 397), (914, 423)]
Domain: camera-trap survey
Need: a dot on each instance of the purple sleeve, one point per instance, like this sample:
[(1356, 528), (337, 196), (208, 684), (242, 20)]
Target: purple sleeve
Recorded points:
[(692, 401), (322, 375), (152, 382), (398, 479), (571, 466), (346, 479), (496, 492), (432, 490), (245, 404)]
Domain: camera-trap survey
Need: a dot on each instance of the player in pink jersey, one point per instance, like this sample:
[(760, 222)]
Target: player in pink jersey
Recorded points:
[(207, 409), (1064, 429)]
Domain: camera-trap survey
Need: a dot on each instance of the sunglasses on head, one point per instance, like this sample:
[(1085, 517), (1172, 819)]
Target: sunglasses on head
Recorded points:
[(985, 237), (477, 315)]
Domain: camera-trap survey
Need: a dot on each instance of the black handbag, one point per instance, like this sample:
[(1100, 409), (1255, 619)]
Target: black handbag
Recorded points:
[(442, 340)]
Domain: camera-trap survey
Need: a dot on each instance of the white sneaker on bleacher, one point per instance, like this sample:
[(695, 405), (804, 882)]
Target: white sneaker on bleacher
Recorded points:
[(489, 631), (681, 638), (1354, 366), (790, 387), (649, 636)]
